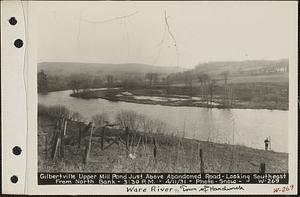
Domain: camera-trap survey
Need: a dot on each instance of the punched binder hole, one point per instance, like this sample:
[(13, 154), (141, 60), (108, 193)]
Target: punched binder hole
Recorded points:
[(14, 179), (18, 43), (12, 21), (17, 150)]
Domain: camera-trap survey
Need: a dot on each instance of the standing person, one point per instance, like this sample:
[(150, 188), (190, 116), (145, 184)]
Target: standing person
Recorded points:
[(267, 144)]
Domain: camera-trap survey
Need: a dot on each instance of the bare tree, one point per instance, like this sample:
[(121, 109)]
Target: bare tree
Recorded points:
[(152, 77), (100, 119), (159, 126), (145, 124), (227, 90), (109, 80), (86, 82), (203, 79), (76, 116), (155, 78), (188, 79), (225, 75), (128, 119), (42, 81), (149, 76), (59, 111), (211, 87), (167, 81), (75, 83)]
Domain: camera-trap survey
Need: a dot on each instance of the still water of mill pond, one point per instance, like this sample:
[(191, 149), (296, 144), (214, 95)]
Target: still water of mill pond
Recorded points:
[(248, 127)]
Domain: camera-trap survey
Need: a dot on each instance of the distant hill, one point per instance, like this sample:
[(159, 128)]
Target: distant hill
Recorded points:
[(249, 67), (70, 68)]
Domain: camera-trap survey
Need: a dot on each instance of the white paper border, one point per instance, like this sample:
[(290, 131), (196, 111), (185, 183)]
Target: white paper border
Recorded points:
[(13, 97)]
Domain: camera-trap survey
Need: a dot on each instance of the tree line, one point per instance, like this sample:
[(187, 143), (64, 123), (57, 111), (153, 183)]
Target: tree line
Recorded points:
[(84, 82)]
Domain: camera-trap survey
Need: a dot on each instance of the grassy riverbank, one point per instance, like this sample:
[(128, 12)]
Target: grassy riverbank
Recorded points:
[(242, 96), (173, 154)]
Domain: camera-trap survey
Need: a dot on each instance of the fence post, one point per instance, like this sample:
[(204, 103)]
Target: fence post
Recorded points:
[(53, 144), (46, 146), (62, 137), (86, 152), (102, 138), (262, 168), (56, 147), (79, 136), (88, 146), (65, 127), (201, 159), (127, 139), (155, 148), (178, 149)]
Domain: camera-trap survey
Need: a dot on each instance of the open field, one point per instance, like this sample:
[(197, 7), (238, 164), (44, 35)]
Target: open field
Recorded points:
[(167, 154), (270, 78), (274, 78)]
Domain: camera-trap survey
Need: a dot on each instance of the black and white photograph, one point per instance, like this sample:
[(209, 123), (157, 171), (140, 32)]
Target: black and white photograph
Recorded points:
[(163, 88), (149, 97)]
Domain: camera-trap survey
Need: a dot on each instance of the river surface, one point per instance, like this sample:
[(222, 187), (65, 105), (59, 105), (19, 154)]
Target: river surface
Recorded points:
[(247, 127)]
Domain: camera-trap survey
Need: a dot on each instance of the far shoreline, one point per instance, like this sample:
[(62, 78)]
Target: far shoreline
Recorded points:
[(95, 94)]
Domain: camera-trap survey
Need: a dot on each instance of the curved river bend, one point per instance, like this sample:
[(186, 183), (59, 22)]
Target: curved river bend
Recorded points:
[(247, 127)]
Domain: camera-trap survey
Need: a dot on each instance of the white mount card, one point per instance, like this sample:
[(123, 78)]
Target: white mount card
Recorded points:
[(195, 98), (13, 97)]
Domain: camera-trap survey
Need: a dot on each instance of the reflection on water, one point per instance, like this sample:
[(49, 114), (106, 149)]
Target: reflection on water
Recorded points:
[(247, 127)]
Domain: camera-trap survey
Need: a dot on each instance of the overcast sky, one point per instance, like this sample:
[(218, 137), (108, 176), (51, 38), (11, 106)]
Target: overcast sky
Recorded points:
[(202, 31)]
